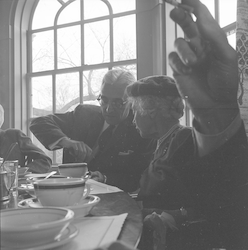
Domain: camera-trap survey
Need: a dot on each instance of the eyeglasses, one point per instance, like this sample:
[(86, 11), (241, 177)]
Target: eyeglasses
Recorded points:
[(115, 103)]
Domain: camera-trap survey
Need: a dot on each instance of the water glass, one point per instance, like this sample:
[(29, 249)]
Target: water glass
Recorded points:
[(11, 167)]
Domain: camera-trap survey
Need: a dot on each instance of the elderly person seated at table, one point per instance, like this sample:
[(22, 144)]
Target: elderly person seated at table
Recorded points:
[(15, 145), (157, 107), (210, 164), (104, 136)]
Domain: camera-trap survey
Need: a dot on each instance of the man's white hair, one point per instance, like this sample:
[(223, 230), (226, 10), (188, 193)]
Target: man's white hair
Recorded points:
[(119, 79)]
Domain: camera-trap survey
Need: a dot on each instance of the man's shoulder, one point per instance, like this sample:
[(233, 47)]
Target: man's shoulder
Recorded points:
[(13, 132), (86, 113), (88, 107)]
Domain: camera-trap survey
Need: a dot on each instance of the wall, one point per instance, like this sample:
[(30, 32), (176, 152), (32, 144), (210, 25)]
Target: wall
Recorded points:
[(6, 91)]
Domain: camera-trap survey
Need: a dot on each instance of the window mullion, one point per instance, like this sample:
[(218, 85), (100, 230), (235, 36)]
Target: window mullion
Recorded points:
[(111, 43)]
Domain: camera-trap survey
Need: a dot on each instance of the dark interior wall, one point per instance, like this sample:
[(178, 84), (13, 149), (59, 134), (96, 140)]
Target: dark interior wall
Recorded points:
[(6, 91)]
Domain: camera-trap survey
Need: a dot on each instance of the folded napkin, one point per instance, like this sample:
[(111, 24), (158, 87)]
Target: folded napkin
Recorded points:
[(101, 188), (95, 232)]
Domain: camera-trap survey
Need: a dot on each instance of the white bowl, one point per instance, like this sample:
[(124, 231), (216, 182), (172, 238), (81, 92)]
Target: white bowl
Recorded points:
[(31, 227), (61, 192), (73, 169), (82, 208)]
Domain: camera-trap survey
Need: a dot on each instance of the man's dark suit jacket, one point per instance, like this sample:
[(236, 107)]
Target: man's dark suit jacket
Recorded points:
[(123, 159), (27, 154)]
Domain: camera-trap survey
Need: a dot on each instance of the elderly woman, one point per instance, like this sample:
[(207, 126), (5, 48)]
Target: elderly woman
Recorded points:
[(157, 107)]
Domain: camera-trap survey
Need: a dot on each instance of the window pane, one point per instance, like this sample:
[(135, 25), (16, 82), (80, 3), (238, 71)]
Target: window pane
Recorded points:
[(122, 5), (48, 8), (71, 13), (42, 51), (232, 40), (42, 95), (95, 8), (124, 38), (67, 91), (69, 52), (97, 42), (92, 81), (229, 13)]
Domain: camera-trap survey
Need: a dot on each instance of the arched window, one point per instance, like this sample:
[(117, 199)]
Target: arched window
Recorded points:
[(61, 49), (73, 44)]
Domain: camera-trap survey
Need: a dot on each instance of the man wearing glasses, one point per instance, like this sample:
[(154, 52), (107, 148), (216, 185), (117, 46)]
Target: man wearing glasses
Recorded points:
[(104, 137)]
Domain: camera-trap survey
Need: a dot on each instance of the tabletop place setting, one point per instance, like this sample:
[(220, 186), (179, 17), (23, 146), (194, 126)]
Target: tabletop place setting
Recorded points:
[(53, 209)]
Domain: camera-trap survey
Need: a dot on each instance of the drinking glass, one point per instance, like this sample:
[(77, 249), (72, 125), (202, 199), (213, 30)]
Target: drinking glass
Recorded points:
[(11, 167)]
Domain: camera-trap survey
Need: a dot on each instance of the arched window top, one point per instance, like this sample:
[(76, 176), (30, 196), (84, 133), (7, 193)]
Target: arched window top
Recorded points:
[(55, 12), (45, 13)]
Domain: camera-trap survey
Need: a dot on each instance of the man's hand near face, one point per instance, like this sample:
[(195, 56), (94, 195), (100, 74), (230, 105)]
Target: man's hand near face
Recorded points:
[(78, 149)]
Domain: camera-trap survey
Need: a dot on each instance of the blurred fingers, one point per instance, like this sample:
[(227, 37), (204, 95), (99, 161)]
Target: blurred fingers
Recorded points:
[(185, 21), (185, 52), (177, 65), (205, 28)]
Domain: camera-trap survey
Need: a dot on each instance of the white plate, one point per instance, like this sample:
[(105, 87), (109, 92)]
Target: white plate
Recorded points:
[(38, 177), (70, 232), (80, 210), (101, 188)]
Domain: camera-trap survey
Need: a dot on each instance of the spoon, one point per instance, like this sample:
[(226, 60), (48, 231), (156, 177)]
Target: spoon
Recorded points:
[(50, 174)]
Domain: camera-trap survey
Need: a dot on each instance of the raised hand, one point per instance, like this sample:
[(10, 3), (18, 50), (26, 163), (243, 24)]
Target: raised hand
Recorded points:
[(205, 68)]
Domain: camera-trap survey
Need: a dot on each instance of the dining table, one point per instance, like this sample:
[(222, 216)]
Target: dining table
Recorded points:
[(111, 204)]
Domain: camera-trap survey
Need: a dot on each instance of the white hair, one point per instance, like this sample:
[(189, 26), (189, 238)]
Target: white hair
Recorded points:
[(119, 79), (149, 102)]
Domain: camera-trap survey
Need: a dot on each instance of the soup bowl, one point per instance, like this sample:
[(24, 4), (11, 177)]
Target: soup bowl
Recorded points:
[(31, 227), (76, 170), (61, 192)]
